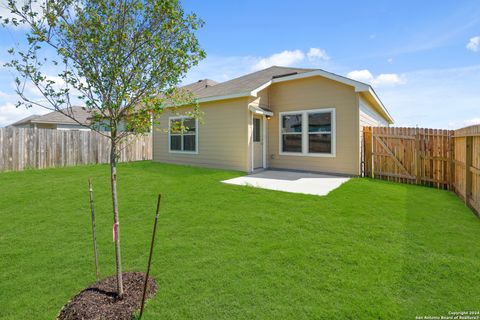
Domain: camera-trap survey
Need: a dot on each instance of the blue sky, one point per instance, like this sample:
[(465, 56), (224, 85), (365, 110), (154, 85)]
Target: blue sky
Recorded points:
[(422, 57)]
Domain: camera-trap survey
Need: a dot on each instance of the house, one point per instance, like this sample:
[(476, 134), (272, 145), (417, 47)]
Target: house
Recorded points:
[(56, 120), (278, 118)]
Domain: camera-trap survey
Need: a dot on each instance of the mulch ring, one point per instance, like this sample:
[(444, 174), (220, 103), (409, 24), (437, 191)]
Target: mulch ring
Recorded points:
[(99, 301)]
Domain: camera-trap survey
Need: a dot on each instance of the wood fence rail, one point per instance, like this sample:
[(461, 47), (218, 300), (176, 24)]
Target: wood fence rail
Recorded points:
[(23, 148), (444, 159)]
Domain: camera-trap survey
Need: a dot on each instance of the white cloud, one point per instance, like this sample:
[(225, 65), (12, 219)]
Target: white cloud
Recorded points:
[(384, 79), (9, 113), (31, 91), (288, 58), (372, 36), (389, 79), (5, 96), (435, 98), (430, 98), (474, 44), (223, 68), (220, 68), (471, 122), (285, 58), (390, 60), (464, 123), (6, 13), (317, 53), (361, 75)]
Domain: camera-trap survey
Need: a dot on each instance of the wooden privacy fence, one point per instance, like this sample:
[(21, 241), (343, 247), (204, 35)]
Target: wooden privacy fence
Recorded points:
[(444, 159), (466, 165), (408, 155), (23, 148)]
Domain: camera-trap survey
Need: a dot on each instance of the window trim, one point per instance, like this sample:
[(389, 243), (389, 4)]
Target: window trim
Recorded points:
[(170, 131), (305, 133)]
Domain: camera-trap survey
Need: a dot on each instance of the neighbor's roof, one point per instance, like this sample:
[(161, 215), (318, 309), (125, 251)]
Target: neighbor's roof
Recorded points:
[(25, 120), (250, 84), (55, 117)]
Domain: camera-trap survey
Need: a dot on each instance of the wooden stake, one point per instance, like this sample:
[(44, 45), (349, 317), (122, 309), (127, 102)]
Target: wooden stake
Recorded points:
[(150, 256), (94, 230)]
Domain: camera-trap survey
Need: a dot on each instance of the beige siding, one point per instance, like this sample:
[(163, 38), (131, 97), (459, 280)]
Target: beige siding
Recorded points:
[(222, 137), (46, 126), (368, 118), (261, 99), (317, 93)]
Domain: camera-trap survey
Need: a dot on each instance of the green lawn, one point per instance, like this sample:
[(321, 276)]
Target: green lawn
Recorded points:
[(368, 250)]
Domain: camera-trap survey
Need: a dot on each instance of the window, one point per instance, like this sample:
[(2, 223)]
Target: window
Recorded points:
[(183, 134), (256, 130), (292, 133), (310, 132), (320, 132)]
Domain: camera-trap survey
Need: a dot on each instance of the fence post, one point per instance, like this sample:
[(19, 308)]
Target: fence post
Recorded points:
[(468, 165), (372, 153), (418, 158), (365, 152), (451, 163)]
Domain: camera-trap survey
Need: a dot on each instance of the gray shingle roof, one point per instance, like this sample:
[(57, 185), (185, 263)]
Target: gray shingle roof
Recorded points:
[(209, 88), (199, 86), (79, 113), (25, 120), (56, 117)]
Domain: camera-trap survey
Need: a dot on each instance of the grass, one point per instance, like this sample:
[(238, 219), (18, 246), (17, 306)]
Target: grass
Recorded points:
[(368, 250)]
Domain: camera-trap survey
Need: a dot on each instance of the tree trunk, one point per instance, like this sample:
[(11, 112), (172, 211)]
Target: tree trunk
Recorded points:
[(116, 226)]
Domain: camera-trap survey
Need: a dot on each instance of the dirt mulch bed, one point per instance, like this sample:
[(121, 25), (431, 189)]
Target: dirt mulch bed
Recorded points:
[(99, 301)]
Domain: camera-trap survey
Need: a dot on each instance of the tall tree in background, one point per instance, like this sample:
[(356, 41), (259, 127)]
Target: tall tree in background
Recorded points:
[(121, 59)]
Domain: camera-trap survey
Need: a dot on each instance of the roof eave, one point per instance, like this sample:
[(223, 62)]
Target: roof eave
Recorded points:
[(384, 110), (59, 123), (224, 97), (213, 98)]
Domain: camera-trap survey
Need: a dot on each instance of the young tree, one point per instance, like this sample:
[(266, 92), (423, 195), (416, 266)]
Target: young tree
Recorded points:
[(122, 59)]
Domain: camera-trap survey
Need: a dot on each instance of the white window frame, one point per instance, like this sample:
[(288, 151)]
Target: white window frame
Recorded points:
[(305, 133), (170, 131)]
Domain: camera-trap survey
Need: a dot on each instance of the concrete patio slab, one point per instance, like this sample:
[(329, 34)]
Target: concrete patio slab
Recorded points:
[(291, 181)]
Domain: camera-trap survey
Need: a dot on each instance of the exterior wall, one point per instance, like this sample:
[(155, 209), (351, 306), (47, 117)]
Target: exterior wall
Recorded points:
[(22, 126), (261, 99), (53, 126), (72, 127), (317, 93), (368, 118), (45, 126), (222, 136)]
